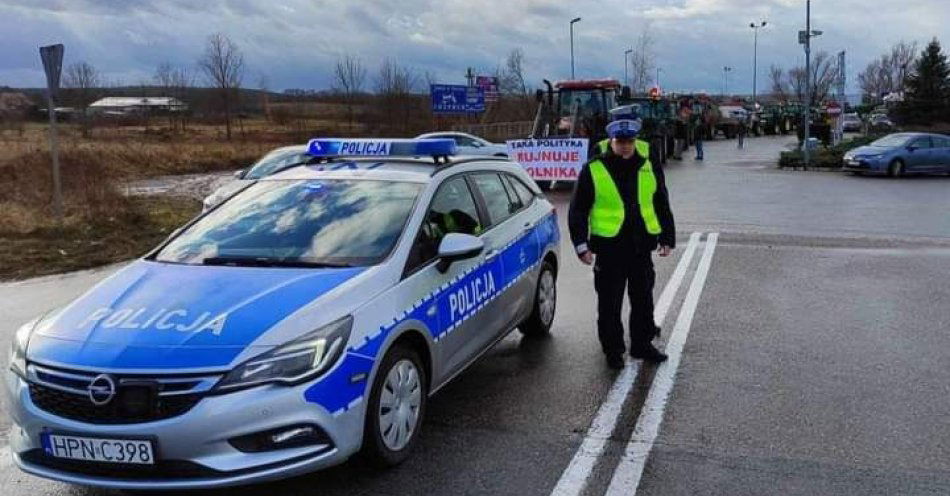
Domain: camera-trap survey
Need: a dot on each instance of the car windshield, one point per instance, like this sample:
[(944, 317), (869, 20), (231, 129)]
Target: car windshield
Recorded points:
[(274, 161), (299, 223), (891, 140), (591, 102)]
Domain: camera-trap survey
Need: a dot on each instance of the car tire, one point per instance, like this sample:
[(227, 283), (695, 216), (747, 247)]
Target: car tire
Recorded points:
[(403, 380), (896, 168), (539, 321)]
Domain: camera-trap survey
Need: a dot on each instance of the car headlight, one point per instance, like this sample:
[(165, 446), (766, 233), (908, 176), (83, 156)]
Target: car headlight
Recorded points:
[(18, 347), (294, 362), (872, 157)]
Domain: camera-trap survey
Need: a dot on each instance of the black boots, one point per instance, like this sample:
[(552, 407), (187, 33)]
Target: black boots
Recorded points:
[(615, 361), (648, 352)]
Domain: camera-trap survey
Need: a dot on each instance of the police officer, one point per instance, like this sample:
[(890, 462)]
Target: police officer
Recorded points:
[(620, 214)]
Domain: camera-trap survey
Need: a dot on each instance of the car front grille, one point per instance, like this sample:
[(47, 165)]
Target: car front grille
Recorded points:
[(137, 398)]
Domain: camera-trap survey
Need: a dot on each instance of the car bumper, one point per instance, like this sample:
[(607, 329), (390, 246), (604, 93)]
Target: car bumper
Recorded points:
[(863, 165), (192, 450)]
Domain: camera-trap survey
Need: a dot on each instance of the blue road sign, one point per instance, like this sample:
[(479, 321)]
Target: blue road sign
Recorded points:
[(456, 98)]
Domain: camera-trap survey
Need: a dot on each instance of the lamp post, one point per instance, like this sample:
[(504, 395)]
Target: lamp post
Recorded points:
[(626, 57), (755, 59), (576, 19), (804, 37), (658, 77), (725, 80)]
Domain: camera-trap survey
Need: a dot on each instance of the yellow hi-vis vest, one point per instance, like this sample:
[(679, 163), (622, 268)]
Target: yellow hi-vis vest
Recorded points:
[(607, 213)]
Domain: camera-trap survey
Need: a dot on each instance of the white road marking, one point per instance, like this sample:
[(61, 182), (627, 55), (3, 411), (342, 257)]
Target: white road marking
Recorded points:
[(574, 478), (627, 476)]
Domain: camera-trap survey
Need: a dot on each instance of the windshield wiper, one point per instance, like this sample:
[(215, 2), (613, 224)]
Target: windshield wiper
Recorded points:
[(269, 262)]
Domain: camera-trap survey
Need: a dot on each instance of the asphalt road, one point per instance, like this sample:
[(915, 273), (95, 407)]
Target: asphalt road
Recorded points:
[(816, 360)]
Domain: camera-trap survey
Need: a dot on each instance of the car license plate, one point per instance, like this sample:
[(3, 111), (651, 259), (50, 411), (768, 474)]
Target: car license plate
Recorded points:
[(90, 449), (853, 162)]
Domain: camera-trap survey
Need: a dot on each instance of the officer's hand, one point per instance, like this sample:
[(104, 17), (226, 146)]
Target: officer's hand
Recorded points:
[(587, 258), (664, 251)]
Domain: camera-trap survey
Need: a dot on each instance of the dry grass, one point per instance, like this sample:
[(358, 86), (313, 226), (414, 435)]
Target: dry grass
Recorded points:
[(107, 239)]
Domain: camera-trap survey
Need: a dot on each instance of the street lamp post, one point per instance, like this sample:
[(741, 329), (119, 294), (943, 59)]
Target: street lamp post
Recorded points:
[(658, 77), (626, 57), (804, 37), (576, 19), (755, 59), (725, 80)]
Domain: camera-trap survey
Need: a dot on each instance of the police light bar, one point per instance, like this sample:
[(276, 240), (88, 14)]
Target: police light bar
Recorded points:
[(388, 147)]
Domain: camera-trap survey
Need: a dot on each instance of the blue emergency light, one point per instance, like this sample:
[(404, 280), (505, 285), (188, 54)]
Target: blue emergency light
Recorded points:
[(386, 147)]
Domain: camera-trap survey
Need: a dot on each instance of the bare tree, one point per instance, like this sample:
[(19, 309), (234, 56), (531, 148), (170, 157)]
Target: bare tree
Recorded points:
[(780, 89), (824, 76), (223, 64), (512, 79), (84, 81), (792, 83), (175, 83), (164, 78), (642, 62), (349, 78), (394, 86), (888, 73)]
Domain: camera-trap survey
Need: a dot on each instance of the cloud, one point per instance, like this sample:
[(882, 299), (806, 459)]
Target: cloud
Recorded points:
[(296, 42)]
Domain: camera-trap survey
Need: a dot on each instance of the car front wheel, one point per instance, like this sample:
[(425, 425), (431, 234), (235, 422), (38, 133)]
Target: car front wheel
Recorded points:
[(396, 407), (545, 302)]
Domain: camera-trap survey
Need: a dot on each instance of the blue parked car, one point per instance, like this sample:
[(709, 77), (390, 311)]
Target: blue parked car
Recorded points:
[(901, 153)]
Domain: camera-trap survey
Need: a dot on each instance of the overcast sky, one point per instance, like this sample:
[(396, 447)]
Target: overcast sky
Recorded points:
[(295, 42)]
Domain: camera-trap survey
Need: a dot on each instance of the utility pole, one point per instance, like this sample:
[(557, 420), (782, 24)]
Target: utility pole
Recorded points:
[(807, 82), (626, 57), (755, 60), (576, 19), (804, 37), (725, 80), (658, 78)]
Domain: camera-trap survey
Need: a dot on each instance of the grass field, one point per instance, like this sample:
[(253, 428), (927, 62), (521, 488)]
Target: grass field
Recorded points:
[(101, 224), (141, 226)]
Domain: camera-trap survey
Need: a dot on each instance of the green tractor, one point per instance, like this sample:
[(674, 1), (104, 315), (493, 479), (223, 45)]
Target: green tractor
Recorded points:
[(658, 115), (775, 118)]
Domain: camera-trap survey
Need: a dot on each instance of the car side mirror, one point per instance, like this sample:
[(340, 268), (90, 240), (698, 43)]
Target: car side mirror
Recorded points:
[(458, 246), (240, 174), (911, 148)]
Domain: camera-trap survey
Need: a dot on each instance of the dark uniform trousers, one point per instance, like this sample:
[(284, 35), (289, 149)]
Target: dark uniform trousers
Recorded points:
[(631, 272)]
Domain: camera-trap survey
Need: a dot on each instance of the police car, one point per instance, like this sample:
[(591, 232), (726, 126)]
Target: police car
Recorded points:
[(300, 322)]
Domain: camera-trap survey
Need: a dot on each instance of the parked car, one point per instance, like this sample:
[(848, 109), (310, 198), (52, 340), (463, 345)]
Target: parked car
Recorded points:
[(274, 161), (469, 144), (851, 123), (308, 317), (880, 122), (901, 153)]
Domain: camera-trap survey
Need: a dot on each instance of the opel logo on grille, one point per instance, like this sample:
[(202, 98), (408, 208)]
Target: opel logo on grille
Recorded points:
[(101, 389)]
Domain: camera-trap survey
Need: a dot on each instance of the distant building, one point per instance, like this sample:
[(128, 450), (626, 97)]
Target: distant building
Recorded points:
[(137, 105)]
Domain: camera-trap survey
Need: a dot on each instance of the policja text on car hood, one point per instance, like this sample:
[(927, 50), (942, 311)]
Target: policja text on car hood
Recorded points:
[(154, 315)]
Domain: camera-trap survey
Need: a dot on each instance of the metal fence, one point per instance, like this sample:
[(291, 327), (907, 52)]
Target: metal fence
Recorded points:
[(497, 131)]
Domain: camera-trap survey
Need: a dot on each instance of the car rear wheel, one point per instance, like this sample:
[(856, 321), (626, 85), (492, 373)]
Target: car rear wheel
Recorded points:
[(545, 303), (396, 408), (896, 168)]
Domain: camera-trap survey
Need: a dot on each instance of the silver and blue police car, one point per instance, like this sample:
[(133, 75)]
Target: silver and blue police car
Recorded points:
[(298, 323)]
